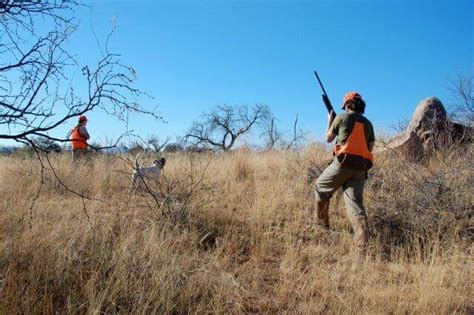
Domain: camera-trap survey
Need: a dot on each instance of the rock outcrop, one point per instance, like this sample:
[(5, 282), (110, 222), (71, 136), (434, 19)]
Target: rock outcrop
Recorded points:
[(428, 130)]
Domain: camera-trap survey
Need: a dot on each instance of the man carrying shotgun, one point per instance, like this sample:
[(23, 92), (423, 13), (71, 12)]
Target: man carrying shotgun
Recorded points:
[(355, 139)]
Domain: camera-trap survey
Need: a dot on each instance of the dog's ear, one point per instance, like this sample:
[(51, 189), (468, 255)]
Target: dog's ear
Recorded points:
[(162, 161)]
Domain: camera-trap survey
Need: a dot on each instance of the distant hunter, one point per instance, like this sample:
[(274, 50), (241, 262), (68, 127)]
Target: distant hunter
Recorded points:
[(79, 137)]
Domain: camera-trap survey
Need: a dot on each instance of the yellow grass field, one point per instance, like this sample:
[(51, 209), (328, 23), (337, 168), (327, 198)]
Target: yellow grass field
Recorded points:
[(116, 253)]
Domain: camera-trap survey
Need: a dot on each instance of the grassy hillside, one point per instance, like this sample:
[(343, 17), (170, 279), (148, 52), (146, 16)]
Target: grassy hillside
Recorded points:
[(113, 252)]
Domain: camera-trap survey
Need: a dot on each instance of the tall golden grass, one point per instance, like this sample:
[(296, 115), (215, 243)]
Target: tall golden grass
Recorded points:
[(113, 252)]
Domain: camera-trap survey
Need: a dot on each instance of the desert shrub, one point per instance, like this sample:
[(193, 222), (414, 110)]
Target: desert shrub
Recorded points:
[(428, 200)]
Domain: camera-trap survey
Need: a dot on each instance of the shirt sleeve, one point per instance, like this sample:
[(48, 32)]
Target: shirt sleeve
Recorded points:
[(335, 125), (84, 132), (371, 135)]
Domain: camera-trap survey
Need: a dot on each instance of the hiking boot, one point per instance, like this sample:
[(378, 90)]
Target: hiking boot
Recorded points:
[(361, 235), (322, 213)]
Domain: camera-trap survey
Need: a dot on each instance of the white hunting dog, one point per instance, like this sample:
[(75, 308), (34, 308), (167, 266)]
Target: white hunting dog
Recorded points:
[(140, 173)]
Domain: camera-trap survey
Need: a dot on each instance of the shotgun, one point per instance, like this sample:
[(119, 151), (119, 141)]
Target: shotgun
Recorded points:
[(325, 96)]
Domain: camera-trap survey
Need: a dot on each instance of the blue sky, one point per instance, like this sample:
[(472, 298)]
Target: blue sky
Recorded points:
[(197, 54)]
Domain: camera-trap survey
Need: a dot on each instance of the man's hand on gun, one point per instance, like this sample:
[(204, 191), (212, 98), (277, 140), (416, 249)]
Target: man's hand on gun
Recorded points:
[(327, 103), (331, 116)]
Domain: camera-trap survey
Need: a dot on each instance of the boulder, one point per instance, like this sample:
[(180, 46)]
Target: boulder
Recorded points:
[(429, 129)]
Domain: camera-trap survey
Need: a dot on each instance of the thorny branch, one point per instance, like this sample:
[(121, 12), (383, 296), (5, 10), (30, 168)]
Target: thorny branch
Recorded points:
[(33, 68), (36, 90)]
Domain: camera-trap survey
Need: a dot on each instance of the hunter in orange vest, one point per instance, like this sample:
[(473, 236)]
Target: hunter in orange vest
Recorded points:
[(355, 139), (79, 137)]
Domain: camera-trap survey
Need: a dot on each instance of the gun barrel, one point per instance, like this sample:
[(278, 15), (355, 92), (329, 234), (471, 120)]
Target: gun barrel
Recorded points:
[(326, 100), (320, 83)]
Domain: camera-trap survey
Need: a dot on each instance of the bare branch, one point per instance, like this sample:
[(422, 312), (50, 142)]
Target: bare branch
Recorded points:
[(34, 105), (221, 127), (36, 91), (462, 88)]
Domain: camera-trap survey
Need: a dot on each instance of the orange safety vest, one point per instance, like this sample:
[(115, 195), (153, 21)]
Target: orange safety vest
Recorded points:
[(78, 141), (356, 144)]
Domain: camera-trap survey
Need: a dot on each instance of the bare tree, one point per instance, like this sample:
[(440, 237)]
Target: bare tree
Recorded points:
[(221, 127), (286, 140), (35, 92), (462, 88), (272, 134), (297, 137), (151, 144)]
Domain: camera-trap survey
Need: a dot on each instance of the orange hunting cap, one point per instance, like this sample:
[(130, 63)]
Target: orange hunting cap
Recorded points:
[(350, 96)]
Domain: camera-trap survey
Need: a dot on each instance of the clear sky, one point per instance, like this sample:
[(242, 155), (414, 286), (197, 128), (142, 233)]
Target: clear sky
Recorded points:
[(192, 55)]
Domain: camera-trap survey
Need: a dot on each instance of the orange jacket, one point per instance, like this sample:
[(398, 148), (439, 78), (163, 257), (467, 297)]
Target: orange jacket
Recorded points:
[(78, 141), (356, 144)]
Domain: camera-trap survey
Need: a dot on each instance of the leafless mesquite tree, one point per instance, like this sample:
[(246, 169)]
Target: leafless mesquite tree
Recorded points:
[(277, 139), (221, 127), (151, 144), (272, 134), (36, 93), (462, 88)]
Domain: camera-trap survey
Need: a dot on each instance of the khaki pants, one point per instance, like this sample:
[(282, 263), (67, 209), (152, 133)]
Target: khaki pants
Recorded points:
[(352, 183), (79, 154)]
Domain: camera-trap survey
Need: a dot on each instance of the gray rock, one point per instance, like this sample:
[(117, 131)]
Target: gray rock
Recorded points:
[(429, 115), (429, 129), (407, 144)]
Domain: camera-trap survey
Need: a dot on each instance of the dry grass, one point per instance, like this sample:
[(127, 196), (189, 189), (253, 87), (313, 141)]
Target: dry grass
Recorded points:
[(143, 254)]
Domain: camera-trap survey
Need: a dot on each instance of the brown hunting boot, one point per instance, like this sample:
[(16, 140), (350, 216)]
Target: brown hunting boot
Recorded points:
[(322, 213), (361, 234)]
